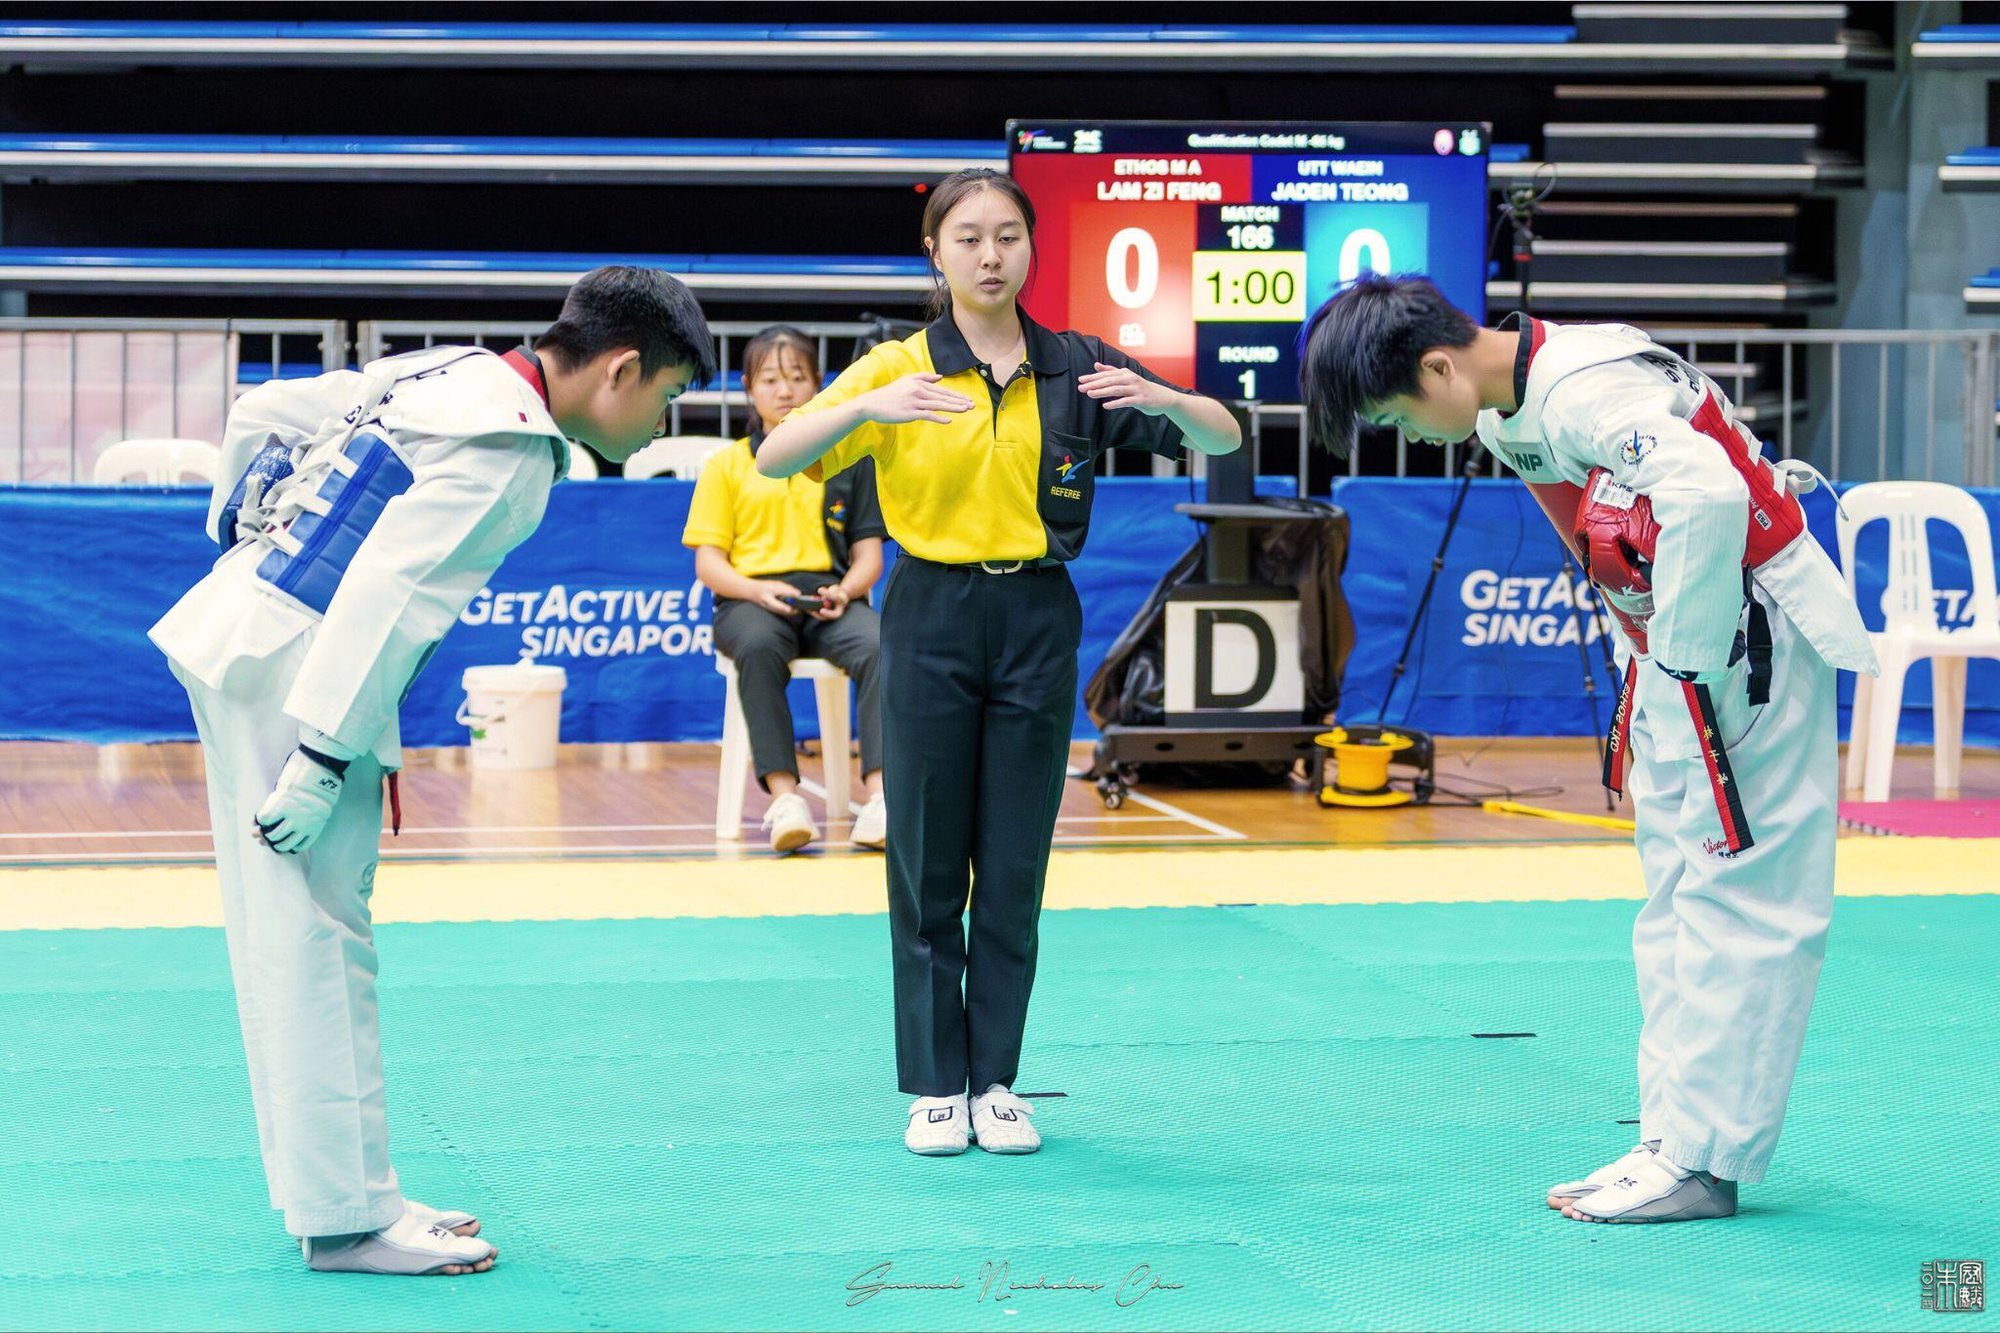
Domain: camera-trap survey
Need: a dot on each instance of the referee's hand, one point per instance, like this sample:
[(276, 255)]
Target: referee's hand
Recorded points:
[(916, 397), (1117, 386)]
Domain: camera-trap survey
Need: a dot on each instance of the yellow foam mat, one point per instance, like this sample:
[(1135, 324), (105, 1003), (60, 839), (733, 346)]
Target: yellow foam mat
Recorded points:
[(52, 899)]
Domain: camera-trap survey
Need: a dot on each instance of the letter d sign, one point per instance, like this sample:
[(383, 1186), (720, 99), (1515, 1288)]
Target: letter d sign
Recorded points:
[(1232, 657)]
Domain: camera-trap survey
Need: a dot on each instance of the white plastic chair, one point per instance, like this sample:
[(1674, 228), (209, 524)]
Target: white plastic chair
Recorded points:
[(835, 733), (582, 466), (156, 463), (1911, 631), (676, 456)]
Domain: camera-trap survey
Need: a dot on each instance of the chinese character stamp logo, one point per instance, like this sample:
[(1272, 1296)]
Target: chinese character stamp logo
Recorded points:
[(1954, 1286)]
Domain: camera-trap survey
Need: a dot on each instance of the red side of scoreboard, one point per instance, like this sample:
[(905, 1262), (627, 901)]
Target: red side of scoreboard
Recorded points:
[(1115, 239)]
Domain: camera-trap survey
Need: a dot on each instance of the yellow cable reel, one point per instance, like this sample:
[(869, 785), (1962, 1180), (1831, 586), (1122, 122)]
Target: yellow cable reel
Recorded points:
[(1362, 756)]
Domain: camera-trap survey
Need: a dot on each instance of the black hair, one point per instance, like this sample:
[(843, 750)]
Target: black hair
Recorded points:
[(1366, 345), (619, 306), (948, 194), (773, 341)]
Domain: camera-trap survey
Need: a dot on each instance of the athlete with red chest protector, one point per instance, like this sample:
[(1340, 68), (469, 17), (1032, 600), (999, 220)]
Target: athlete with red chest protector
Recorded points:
[(1731, 623)]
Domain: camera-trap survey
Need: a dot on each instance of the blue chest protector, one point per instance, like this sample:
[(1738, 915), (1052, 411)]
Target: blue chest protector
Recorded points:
[(328, 542)]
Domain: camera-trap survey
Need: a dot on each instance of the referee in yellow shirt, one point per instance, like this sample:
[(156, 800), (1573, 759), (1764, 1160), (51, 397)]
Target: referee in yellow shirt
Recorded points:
[(761, 544), (985, 429)]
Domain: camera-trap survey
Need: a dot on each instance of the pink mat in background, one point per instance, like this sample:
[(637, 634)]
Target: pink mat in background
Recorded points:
[(1924, 819)]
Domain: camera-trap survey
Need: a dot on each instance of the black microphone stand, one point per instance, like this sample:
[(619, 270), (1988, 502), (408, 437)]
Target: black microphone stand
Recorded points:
[(1519, 209)]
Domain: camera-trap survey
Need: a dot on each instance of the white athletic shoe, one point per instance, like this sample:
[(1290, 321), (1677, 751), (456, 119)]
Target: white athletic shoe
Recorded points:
[(790, 822), (1572, 1190), (1000, 1122), (1656, 1190), (937, 1126), (871, 826), (407, 1247)]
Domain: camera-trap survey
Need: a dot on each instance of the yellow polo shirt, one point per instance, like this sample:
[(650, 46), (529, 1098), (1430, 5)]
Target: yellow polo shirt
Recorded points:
[(765, 525), (952, 493), (1012, 477)]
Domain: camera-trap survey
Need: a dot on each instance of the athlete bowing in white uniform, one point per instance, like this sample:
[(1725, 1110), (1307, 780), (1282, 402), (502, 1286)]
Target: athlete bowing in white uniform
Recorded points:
[(1732, 621), (372, 506)]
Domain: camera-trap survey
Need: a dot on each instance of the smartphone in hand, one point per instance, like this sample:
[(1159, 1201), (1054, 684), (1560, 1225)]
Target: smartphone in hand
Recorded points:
[(806, 602)]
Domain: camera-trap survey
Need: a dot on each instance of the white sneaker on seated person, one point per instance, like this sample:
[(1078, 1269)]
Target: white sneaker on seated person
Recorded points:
[(937, 1126), (790, 822), (871, 826), (1000, 1122), (407, 1247)]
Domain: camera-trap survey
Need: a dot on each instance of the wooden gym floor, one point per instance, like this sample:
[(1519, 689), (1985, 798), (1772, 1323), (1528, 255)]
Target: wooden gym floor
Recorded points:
[(126, 805)]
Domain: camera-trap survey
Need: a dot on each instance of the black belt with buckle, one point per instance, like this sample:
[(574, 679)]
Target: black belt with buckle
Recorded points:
[(995, 566)]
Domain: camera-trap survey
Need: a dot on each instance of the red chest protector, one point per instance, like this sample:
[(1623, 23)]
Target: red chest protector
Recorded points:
[(1772, 522)]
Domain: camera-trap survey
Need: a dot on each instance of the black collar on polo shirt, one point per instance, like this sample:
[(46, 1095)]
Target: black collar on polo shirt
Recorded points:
[(951, 354), (756, 431), (1532, 334)]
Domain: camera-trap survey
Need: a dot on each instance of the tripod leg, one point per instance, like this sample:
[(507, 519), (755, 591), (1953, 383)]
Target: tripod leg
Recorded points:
[(1430, 584), (1583, 655)]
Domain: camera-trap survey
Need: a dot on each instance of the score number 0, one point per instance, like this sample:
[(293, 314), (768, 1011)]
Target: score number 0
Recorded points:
[(1127, 245)]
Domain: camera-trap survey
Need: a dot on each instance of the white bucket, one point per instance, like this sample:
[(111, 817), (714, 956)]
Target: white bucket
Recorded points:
[(515, 713)]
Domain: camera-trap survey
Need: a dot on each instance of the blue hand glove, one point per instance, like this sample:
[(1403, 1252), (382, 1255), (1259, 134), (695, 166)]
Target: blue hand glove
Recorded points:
[(271, 465)]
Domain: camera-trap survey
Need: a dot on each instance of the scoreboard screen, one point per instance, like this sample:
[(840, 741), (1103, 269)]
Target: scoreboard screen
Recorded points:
[(1201, 248)]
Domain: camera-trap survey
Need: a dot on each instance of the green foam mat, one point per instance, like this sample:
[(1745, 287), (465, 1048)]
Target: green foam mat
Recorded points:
[(1280, 1114)]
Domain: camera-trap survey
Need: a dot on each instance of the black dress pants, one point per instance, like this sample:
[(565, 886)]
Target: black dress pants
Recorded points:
[(979, 690)]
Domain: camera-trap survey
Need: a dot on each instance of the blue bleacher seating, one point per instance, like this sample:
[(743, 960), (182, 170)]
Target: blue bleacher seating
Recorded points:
[(305, 32), (279, 145), (423, 272)]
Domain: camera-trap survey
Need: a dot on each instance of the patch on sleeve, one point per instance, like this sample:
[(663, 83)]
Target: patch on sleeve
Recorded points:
[(1636, 448)]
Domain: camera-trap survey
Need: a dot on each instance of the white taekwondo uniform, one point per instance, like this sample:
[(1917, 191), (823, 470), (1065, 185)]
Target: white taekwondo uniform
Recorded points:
[(414, 478), (1734, 798)]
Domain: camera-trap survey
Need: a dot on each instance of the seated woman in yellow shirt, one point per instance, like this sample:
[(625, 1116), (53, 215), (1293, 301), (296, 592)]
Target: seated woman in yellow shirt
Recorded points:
[(761, 543)]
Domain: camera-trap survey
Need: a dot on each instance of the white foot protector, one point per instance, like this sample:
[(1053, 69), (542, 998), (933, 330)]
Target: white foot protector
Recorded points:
[(937, 1126), (406, 1247), (1656, 1190), (432, 1217), (1000, 1122), (1571, 1190)]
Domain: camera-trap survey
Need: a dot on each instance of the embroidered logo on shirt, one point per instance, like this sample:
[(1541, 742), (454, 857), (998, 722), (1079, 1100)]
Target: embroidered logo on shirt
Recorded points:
[(1636, 448), (1067, 473)]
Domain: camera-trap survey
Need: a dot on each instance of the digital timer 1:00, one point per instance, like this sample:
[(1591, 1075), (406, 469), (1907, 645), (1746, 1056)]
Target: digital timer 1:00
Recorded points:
[(1249, 286)]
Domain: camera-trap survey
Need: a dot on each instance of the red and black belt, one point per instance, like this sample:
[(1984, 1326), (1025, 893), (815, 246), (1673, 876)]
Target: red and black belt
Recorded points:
[(1700, 700)]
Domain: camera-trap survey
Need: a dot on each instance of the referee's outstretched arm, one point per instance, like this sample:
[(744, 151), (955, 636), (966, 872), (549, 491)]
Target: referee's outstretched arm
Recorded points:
[(1206, 424), (799, 441)]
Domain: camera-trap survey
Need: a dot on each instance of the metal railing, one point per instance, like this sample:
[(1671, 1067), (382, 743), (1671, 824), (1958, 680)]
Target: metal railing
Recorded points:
[(69, 388), (1859, 404)]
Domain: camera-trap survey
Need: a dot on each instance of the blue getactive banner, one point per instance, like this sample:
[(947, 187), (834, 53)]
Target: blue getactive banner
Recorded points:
[(606, 591)]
